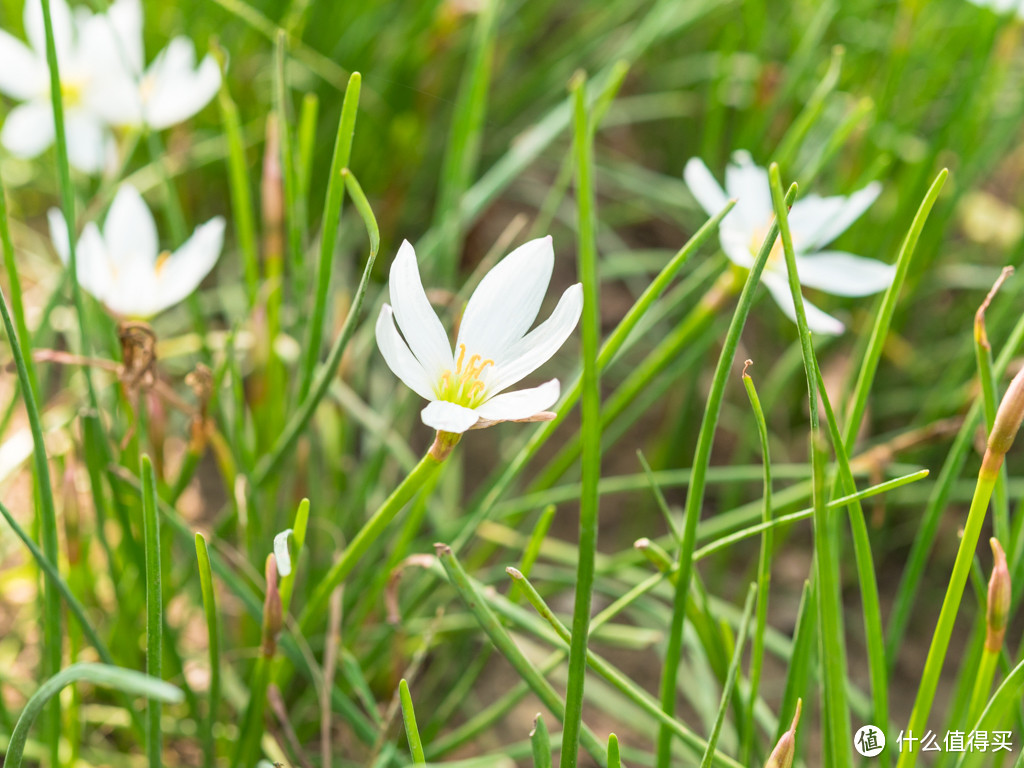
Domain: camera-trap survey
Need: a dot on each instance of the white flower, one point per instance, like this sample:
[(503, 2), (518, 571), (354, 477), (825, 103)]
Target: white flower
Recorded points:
[(123, 266), (84, 44), (814, 221), (171, 90), (1002, 6), (494, 349)]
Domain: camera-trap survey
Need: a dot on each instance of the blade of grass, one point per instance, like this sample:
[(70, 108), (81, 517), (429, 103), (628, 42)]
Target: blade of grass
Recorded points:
[(293, 220), (306, 140), (462, 152), (270, 461), (695, 491), (333, 201), (540, 743), (409, 718), (154, 610), (213, 633), (730, 681), (830, 615), (47, 516), (591, 429), (125, 680), (764, 567)]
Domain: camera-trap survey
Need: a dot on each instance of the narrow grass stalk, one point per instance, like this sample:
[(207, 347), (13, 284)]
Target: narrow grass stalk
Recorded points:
[(1008, 420), (764, 568), (830, 616), (730, 680), (626, 686), (213, 634), (154, 609), (695, 492), (293, 222), (270, 461), (127, 681), (1004, 701), (989, 401), (614, 760), (591, 429), (306, 140), (239, 184), (507, 647), (52, 634), (298, 534), (540, 744), (367, 535), (874, 638), (996, 617), (462, 152), (329, 229), (17, 303), (412, 733)]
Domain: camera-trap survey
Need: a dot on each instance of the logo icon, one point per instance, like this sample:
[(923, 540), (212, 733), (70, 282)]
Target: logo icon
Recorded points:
[(869, 740)]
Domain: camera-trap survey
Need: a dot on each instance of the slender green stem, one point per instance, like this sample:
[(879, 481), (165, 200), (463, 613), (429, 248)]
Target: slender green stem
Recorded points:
[(329, 229), (213, 633), (125, 680), (830, 614), (730, 680), (764, 569), (270, 461), (614, 759), (695, 492), (950, 606), (982, 685), (412, 733), (154, 609), (462, 152), (540, 743), (591, 429), (507, 647), (293, 223), (368, 534)]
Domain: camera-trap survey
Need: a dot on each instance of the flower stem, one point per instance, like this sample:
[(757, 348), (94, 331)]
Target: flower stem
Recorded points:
[(367, 535)]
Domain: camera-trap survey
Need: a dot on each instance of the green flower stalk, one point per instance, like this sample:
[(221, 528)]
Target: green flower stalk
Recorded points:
[(997, 616), (1004, 430), (784, 752)]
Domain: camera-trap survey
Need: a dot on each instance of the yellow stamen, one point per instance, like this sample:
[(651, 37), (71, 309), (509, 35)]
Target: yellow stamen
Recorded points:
[(463, 385), (161, 260)]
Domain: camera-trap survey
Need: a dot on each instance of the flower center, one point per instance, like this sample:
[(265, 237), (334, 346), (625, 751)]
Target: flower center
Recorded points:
[(71, 92), (463, 385), (146, 88), (776, 256)]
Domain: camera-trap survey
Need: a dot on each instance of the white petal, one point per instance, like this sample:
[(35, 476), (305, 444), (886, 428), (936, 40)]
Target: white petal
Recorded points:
[(737, 244), (521, 404), (173, 89), (129, 230), (398, 357), (59, 233), (416, 318), (23, 74), (115, 98), (817, 321), (748, 183), (448, 417), (95, 271), (844, 274), (703, 186), (817, 221), (123, 22), (63, 28), (185, 269), (505, 304), (28, 129), (537, 347), (89, 142)]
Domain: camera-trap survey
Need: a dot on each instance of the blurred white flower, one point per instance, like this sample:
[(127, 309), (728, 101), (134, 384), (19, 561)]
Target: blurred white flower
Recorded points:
[(124, 268), (171, 90), (1002, 6), (494, 349), (85, 43), (814, 221)]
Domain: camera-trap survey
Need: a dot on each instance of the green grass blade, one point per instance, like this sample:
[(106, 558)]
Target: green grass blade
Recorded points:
[(213, 633), (306, 138), (591, 429), (294, 223), (329, 229), (270, 461), (540, 743), (409, 718), (830, 613), (695, 491), (127, 681), (730, 680), (462, 152), (614, 760), (154, 609)]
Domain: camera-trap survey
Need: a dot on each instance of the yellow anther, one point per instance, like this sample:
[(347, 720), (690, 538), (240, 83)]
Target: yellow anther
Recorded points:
[(161, 260), (462, 356)]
